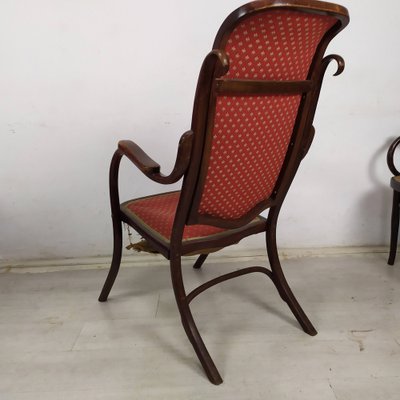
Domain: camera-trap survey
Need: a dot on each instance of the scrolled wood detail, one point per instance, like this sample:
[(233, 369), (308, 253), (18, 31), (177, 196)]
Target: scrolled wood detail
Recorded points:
[(339, 60), (390, 157)]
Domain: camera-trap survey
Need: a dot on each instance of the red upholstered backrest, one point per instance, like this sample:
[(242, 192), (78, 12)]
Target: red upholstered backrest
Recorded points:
[(251, 134)]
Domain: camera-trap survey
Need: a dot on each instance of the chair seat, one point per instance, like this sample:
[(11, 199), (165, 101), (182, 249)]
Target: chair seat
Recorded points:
[(155, 214), (395, 183)]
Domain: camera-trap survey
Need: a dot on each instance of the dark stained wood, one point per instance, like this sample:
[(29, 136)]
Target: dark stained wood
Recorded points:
[(117, 226), (308, 141), (192, 164), (188, 322), (395, 185), (394, 233), (390, 157), (278, 276), (257, 87), (151, 168), (222, 278), (146, 164), (215, 65), (200, 261)]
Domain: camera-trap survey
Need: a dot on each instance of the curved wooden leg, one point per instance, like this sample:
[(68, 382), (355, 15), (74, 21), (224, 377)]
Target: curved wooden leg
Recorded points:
[(189, 324), (394, 227), (116, 260), (200, 261), (278, 276)]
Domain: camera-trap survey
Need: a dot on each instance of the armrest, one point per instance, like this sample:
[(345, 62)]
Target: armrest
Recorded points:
[(151, 168), (131, 150), (390, 156)]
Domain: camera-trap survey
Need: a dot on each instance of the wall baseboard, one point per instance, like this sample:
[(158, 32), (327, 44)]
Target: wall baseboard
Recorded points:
[(143, 259)]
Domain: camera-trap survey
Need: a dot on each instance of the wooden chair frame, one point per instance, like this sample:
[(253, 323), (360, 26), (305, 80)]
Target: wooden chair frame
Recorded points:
[(395, 185), (194, 148)]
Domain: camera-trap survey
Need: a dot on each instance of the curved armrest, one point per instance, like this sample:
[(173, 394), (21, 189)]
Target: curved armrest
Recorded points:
[(151, 168), (131, 150), (390, 156)]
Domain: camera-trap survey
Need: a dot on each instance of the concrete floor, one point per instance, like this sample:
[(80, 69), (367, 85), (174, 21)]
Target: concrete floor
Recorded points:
[(58, 342)]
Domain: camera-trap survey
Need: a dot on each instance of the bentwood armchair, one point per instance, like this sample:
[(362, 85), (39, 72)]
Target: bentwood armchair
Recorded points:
[(251, 127), (395, 185)]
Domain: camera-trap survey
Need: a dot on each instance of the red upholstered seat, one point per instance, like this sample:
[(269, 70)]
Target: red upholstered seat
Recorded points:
[(157, 213)]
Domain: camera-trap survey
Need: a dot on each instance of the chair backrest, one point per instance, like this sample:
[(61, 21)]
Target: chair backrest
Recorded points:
[(255, 105)]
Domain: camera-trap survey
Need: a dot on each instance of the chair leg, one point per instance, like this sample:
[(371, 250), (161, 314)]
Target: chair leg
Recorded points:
[(394, 227), (200, 261), (116, 260), (189, 324), (279, 279)]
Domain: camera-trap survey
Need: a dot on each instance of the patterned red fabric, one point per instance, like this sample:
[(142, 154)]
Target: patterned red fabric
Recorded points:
[(158, 212), (276, 45), (251, 134)]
